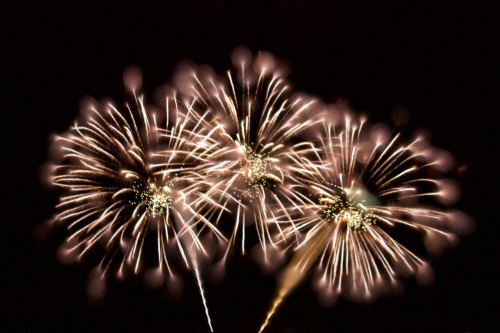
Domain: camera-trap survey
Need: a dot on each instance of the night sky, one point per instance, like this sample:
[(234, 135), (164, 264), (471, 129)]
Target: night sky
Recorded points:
[(437, 59)]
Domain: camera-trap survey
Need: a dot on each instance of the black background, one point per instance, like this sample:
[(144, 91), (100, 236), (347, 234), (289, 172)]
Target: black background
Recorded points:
[(436, 58)]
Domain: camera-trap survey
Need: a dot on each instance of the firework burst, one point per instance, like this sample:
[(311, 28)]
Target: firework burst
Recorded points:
[(257, 119), (127, 183), (145, 187), (362, 193)]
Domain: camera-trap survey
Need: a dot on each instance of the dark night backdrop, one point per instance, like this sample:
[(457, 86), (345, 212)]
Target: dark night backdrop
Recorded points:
[(435, 58)]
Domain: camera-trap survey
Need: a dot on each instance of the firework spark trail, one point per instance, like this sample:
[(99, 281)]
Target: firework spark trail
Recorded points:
[(255, 117), (123, 178), (356, 192), (295, 271), (202, 293), (191, 248)]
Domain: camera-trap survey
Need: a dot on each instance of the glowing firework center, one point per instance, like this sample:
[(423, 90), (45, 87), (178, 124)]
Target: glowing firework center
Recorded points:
[(256, 169), (341, 208), (156, 199), (256, 172)]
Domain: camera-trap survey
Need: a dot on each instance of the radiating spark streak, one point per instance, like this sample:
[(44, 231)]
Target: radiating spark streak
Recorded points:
[(191, 243), (202, 293)]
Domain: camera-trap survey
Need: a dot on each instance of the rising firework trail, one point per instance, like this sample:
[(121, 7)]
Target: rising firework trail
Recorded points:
[(359, 190)]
